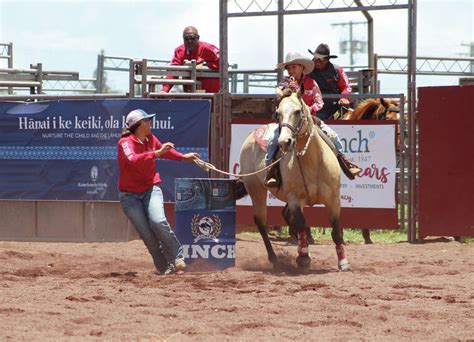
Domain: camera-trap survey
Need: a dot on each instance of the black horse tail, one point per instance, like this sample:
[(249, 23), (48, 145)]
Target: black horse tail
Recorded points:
[(240, 190)]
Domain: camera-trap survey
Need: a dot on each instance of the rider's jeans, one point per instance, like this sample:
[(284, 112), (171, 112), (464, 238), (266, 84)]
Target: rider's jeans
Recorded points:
[(333, 136), (147, 213), (272, 146)]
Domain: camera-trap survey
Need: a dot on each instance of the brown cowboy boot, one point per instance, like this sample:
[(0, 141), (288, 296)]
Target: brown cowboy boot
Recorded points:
[(349, 168), (271, 179)]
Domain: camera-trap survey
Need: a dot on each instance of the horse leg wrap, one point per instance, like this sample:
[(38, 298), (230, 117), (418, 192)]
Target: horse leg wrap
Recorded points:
[(303, 244), (341, 252)]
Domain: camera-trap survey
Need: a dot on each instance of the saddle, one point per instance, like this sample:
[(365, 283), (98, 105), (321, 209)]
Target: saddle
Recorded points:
[(263, 134)]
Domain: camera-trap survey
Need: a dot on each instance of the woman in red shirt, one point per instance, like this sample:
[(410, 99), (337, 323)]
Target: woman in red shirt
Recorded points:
[(140, 194)]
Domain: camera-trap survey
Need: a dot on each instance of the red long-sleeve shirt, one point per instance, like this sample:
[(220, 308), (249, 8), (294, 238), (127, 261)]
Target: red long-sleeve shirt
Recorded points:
[(312, 95), (137, 167), (204, 52), (343, 82)]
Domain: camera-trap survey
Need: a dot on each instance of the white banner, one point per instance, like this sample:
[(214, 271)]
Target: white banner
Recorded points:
[(372, 147)]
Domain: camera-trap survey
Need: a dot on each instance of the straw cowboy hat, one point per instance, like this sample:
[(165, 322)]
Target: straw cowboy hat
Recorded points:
[(296, 58), (322, 51)]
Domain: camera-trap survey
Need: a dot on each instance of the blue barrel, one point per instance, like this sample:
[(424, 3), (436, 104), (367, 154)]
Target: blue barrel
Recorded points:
[(205, 222)]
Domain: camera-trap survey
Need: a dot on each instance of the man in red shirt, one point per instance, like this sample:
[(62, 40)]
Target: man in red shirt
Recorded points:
[(203, 53), (331, 79)]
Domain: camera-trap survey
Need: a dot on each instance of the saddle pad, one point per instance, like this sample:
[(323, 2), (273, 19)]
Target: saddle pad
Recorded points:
[(263, 134)]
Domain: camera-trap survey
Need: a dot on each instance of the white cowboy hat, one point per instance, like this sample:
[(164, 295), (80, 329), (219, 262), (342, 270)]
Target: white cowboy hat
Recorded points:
[(135, 116), (296, 58)]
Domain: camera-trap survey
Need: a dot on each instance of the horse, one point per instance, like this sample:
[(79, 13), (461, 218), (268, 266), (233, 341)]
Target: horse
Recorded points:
[(309, 172), (375, 109)]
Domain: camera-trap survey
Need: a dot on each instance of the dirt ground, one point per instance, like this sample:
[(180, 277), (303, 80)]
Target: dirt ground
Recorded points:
[(90, 291)]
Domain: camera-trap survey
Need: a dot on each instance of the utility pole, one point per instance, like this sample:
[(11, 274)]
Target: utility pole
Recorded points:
[(351, 45), (471, 53)]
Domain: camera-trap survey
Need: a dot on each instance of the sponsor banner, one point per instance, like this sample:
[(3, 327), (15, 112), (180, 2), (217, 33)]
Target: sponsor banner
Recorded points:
[(208, 238), (67, 150), (372, 147)]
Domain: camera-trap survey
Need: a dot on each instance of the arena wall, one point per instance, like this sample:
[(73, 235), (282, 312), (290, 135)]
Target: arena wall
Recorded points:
[(64, 221)]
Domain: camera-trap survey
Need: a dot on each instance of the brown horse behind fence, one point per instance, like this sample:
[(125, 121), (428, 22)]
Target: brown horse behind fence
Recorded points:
[(375, 109)]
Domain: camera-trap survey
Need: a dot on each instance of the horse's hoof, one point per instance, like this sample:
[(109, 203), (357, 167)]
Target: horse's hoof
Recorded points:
[(278, 268), (344, 266), (304, 263)]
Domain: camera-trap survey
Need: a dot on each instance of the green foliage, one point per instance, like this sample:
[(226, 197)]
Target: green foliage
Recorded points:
[(351, 236)]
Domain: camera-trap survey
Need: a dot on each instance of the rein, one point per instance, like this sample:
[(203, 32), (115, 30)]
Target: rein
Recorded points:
[(208, 166)]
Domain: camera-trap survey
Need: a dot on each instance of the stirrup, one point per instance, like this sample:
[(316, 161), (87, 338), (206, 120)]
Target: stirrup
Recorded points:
[(271, 182), (345, 167)]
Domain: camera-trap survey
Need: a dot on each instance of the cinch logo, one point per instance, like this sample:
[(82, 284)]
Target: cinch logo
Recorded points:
[(94, 173), (356, 145), (206, 227), (206, 251)]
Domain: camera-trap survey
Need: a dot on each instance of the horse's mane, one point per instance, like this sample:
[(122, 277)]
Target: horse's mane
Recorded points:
[(366, 110)]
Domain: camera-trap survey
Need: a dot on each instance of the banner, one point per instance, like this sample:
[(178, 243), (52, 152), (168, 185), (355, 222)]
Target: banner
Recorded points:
[(67, 150), (372, 147), (205, 222)]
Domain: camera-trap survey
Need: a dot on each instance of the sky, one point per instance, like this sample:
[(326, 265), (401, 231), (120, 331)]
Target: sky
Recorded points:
[(68, 35)]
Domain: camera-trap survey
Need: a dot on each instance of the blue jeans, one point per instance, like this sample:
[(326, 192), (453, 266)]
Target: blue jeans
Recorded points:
[(146, 211), (333, 136), (272, 147), (208, 193)]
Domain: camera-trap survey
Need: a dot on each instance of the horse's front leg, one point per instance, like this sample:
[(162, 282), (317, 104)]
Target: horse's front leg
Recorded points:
[(294, 217)]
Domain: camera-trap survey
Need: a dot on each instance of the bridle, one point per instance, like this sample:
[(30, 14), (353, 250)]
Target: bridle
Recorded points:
[(387, 110), (296, 130)]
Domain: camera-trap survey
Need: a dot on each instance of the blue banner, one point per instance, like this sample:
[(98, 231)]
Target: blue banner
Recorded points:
[(67, 150)]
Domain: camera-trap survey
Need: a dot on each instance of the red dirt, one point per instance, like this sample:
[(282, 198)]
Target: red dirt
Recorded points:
[(110, 290)]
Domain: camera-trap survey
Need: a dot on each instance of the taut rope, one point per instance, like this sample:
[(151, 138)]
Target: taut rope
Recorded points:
[(208, 166)]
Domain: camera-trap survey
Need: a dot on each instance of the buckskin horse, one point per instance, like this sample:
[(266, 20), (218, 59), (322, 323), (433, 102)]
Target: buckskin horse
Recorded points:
[(310, 175)]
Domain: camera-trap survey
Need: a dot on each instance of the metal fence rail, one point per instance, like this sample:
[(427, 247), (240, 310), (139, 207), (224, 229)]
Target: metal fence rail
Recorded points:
[(239, 8), (441, 66)]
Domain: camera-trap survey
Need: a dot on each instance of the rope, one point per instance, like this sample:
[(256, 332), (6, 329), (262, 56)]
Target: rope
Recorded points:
[(208, 166)]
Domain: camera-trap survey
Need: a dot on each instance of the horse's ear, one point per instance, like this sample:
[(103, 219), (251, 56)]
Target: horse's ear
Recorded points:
[(279, 95)]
